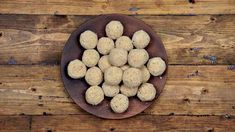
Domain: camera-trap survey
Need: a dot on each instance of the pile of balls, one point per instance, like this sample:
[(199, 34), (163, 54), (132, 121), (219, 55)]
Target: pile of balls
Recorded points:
[(119, 62)]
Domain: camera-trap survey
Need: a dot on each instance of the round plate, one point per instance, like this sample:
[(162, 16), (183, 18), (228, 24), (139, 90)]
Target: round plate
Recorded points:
[(73, 50)]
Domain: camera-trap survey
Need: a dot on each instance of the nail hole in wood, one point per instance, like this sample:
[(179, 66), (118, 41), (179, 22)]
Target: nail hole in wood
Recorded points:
[(186, 100), (34, 89), (40, 97), (191, 1), (0, 34), (233, 107), (112, 129), (49, 130), (40, 105), (211, 130), (44, 113), (0, 83)]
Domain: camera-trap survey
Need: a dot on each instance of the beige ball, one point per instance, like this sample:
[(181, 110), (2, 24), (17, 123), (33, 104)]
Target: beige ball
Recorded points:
[(118, 57), (90, 57), (94, 95), (145, 74), (114, 29), (113, 75), (104, 45), (132, 77), (110, 90), (124, 42), (137, 57), (140, 39), (119, 103), (104, 63), (76, 69), (146, 92), (156, 66), (88, 39), (94, 76), (129, 92), (125, 67)]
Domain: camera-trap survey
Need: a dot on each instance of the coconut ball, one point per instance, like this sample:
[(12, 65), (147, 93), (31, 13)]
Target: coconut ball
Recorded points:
[(137, 57), (124, 42), (114, 29), (129, 92), (94, 76), (104, 63), (104, 45), (156, 66), (125, 67), (94, 95), (113, 75), (118, 57), (76, 69), (90, 57), (132, 77), (146, 92), (145, 74), (88, 39), (110, 90), (140, 39), (119, 103)]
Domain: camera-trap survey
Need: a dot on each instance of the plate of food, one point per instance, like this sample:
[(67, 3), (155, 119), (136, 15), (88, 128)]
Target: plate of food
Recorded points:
[(114, 66)]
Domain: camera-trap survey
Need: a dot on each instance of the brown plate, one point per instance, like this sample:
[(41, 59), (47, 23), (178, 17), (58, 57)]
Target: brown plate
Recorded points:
[(73, 50)]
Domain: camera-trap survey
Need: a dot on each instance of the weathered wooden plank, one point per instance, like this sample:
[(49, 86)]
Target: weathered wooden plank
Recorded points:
[(138, 123), (95, 7), (33, 39), (15, 123), (191, 90)]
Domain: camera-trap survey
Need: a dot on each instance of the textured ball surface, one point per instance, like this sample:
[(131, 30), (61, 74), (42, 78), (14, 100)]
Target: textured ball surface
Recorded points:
[(76, 69), (88, 39), (94, 95)]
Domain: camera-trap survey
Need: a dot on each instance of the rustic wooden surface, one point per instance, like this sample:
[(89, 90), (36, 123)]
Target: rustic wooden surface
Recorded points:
[(199, 39)]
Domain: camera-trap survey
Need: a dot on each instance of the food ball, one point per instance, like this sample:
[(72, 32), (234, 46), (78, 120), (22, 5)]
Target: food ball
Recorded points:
[(110, 90), (76, 69), (104, 63), (145, 74), (129, 92), (132, 77), (114, 29), (125, 67), (119, 103), (94, 76), (156, 66), (90, 57), (88, 39), (137, 57), (113, 75), (140, 39), (94, 95), (146, 92), (124, 42), (118, 57), (104, 45)]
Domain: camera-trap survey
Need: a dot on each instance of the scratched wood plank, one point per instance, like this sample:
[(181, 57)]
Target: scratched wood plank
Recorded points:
[(15, 123), (95, 7), (138, 123), (190, 90), (39, 39)]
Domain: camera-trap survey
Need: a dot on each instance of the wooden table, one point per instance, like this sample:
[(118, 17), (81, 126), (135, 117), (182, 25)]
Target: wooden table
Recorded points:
[(199, 36)]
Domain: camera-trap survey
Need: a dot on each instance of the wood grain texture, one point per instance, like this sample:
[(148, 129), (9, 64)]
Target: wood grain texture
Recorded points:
[(190, 90), (94, 7), (138, 123), (39, 39), (15, 123)]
